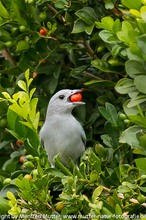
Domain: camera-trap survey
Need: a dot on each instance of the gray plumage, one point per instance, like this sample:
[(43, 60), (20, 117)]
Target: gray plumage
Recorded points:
[(61, 133)]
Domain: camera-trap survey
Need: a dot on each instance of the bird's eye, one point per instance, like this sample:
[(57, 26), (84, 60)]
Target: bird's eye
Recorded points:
[(61, 97)]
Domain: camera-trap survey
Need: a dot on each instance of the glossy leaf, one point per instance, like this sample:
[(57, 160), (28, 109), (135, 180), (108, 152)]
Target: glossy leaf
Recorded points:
[(79, 26), (141, 164), (134, 68), (129, 136), (136, 101), (141, 43), (125, 86), (87, 14), (130, 4), (4, 12), (96, 193), (139, 82), (22, 45)]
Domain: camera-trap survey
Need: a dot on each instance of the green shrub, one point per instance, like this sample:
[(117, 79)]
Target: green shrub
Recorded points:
[(99, 46)]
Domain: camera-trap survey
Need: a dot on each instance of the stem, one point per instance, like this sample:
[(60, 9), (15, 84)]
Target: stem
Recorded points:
[(7, 55), (54, 11), (93, 76), (89, 49)]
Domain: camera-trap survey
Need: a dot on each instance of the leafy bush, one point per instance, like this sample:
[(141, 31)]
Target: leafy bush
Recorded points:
[(50, 45)]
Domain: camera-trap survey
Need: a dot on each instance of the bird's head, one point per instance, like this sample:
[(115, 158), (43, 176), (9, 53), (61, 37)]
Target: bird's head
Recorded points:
[(65, 100)]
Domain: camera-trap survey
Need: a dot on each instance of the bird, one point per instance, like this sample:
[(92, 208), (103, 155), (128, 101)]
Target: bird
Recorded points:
[(62, 134)]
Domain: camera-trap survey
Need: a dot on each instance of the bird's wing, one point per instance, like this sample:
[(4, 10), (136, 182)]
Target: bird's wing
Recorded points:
[(83, 137)]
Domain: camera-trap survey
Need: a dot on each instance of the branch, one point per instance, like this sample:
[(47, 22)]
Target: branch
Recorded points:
[(89, 49), (7, 55), (54, 11)]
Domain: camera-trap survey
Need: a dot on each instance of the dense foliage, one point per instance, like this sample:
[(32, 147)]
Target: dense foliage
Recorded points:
[(48, 45)]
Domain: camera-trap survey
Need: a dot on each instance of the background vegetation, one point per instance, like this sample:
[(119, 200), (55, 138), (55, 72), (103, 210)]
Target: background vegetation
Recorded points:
[(48, 45)]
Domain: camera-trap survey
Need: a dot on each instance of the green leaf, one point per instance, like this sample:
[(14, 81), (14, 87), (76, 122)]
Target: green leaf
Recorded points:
[(135, 12), (9, 166), (107, 140), (123, 189), (143, 15), (16, 7), (3, 11), (32, 92), (26, 184), (142, 139), (11, 196), (18, 183), (29, 81), (27, 72), (93, 176), (116, 50), (143, 189), (137, 119), (6, 95), (130, 111), (110, 113), (11, 188), (96, 193), (61, 4), (52, 84), (104, 66), (82, 169), (4, 144), (129, 136), (125, 86), (124, 35), (108, 37), (141, 164), (109, 5), (134, 68), (95, 162), (106, 83), (118, 210), (116, 26), (33, 107), (55, 172), (27, 124), (14, 123), (14, 11), (139, 82), (89, 29), (36, 120), (14, 134), (78, 70), (22, 45), (22, 85), (79, 26), (106, 23), (4, 207), (141, 43), (61, 167), (136, 101), (130, 185), (136, 4), (87, 14)]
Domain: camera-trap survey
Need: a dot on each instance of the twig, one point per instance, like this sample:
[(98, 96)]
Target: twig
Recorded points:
[(54, 11), (89, 49), (7, 55), (93, 76), (132, 200)]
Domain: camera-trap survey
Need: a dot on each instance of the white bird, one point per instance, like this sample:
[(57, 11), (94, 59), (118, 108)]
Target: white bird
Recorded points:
[(61, 133)]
